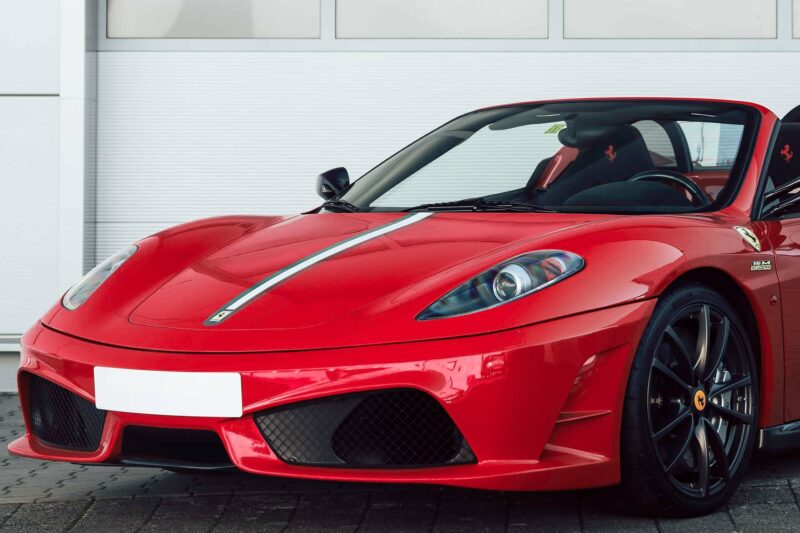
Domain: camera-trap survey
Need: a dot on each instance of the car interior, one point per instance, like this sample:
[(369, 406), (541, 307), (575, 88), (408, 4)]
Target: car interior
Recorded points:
[(603, 166)]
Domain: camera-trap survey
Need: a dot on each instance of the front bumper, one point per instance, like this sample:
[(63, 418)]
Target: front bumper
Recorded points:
[(540, 406)]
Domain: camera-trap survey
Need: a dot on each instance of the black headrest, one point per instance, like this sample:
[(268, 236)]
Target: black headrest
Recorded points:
[(588, 135), (784, 165), (582, 136), (792, 116)]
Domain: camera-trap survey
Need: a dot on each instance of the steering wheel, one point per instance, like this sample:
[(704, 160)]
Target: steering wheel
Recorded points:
[(675, 177)]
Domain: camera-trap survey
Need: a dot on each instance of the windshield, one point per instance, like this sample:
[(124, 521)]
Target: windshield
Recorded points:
[(619, 156)]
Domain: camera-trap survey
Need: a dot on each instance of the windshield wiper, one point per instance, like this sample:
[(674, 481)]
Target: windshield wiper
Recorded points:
[(479, 204), (341, 206)]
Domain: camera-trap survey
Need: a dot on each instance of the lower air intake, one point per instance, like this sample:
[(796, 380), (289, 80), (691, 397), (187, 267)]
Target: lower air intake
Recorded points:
[(191, 448), (402, 428), (63, 419)]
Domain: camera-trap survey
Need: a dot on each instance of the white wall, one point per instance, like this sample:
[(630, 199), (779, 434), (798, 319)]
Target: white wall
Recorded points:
[(29, 238), (676, 19), (43, 126), (29, 51), (186, 135), (29, 147)]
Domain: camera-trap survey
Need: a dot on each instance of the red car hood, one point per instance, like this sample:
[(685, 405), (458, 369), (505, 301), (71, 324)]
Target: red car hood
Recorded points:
[(369, 294)]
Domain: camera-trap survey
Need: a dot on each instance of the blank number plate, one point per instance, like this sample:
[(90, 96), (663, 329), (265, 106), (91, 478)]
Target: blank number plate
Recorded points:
[(152, 392)]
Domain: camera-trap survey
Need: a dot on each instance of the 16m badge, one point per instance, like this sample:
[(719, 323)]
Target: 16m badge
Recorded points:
[(761, 265)]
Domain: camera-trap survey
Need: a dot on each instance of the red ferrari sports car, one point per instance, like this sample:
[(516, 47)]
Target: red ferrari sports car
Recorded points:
[(538, 296)]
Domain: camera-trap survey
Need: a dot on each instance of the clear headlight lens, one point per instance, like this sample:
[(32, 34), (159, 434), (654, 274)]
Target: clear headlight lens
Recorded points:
[(81, 291), (506, 282)]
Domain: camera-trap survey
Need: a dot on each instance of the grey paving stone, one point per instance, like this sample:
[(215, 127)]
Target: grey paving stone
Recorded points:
[(544, 512), (770, 494), (211, 483), (124, 485), (719, 522), (258, 512), (472, 511), (169, 484), (117, 515), (200, 513), (602, 512), (24, 494), (46, 516), (196, 507), (400, 511), (761, 518), (331, 511), (6, 510)]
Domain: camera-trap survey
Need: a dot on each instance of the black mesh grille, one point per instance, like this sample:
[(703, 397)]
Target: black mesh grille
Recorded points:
[(387, 429), (61, 418)]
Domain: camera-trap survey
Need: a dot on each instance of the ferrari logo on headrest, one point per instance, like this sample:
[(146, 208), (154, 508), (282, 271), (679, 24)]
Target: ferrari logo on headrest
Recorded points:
[(610, 153), (787, 153)]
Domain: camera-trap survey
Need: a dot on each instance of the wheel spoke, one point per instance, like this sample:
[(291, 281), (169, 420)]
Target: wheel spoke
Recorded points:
[(683, 350), (686, 443), (718, 350), (715, 442), (670, 427), (731, 415), (721, 388), (700, 396), (701, 458), (703, 339), (672, 376)]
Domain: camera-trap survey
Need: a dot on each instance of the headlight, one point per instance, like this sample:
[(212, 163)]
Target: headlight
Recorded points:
[(80, 292), (506, 282)]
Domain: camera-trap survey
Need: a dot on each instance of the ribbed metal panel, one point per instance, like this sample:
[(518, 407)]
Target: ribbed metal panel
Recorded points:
[(183, 135)]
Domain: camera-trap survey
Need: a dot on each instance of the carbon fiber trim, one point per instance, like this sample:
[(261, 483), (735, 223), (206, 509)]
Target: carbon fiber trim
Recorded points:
[(401, 428), (63, 419)]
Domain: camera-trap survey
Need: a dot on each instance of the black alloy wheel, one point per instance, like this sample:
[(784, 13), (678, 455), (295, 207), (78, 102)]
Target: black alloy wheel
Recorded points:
[(695, 389)]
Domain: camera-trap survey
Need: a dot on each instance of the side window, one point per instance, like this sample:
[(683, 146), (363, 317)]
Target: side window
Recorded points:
[(658, 143), (712, 146)]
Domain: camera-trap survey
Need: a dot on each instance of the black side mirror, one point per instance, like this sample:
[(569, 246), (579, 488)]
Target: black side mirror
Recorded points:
[(331, 183)]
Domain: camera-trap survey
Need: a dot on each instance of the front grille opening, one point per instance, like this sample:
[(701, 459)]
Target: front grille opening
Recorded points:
[(61, 418), (401, 428), (173, 446)]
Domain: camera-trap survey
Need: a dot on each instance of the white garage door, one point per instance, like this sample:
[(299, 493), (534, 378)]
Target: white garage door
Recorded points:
[(192, 126)]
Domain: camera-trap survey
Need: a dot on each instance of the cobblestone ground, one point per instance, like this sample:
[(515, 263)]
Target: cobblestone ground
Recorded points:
[(43, 496)]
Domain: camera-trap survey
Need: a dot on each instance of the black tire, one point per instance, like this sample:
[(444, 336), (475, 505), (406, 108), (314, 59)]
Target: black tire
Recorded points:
[(680, 401)]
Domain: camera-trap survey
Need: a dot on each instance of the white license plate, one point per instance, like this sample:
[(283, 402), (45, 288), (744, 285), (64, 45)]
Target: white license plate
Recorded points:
[(153, 392)]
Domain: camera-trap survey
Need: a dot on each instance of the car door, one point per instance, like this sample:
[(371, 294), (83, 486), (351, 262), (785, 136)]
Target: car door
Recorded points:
[(781, 218)]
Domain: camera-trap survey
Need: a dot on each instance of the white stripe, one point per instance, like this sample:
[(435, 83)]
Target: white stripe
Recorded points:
[(311, 261)]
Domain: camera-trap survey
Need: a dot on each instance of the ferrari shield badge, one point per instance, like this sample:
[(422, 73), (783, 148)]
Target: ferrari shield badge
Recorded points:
[(748, 235)]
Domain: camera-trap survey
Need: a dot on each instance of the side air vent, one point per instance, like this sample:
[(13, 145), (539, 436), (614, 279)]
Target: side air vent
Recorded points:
[(63, 419), (402, 428)]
